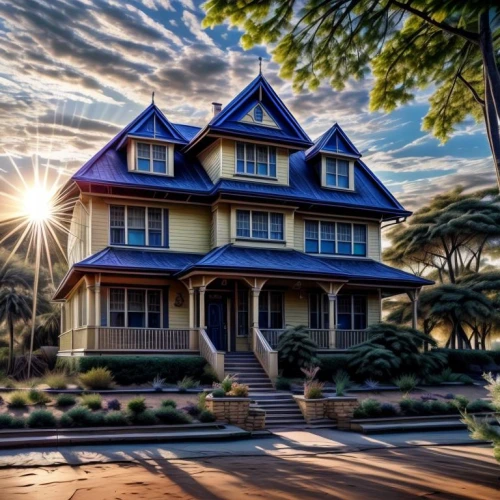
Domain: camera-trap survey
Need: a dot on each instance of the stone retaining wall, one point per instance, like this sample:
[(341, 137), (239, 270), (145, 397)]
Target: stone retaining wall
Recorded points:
[(338, 409), (237, 411)]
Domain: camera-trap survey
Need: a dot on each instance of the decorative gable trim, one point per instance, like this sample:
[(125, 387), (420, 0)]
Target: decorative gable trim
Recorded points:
[(266, 119)]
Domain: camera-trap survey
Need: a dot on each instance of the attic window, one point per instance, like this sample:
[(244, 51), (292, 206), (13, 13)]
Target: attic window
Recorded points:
[(255, 160), (337, 173), (258, 114), (151, 158)]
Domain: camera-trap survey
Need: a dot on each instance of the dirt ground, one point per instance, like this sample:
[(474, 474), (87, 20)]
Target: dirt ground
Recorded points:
[(461, 472)]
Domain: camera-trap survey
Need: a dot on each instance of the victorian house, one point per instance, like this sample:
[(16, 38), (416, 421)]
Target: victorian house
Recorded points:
[(215, 239)]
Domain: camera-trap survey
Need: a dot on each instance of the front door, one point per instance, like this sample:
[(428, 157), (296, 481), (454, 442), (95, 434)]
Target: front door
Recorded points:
[(217, 320)]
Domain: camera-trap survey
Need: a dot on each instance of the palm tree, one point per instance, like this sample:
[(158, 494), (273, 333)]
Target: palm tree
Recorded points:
[(15, 306)]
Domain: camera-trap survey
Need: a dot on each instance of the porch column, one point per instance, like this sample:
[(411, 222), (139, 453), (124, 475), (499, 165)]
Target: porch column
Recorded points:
[(97, 308), (202, 306), (414, 295), (332, 302), (90, 319), (191, 308), (255, 314)]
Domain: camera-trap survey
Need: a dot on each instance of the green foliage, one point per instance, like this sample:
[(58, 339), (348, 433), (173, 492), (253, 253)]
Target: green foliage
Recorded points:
[(9, 422), (18, 399), (368, 408), (38, 397), (331, 364), (97, 378), (460, 402), (169, 403), (202, 397), (171, 416), (283, 384), (41, 419), (146, 417), (188, 383), (63, 400), (296, 350), (459, 360), (406, 383), (116, 419), (114, 404), (493, 387), (480, 406), (447, 375), (129, 370), (219, 393), (226, 383), (56, 380), (342, 382), (313, 389), (137, 405), (92, 401), (206, 417), (416, 408), (238, 390), (80, 416)]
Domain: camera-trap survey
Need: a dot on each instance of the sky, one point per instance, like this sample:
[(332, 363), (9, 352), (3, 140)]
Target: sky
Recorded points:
[(74, 72)]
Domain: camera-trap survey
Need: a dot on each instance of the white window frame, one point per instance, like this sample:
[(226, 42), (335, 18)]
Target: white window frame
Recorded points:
[(320, 221), (245, 168), (146, 227), (125, 311), (350, 170), (268, 225), (151, 159), (352, 313)]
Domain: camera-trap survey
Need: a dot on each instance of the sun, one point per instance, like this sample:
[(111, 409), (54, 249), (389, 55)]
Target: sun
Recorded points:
[(38, 204)]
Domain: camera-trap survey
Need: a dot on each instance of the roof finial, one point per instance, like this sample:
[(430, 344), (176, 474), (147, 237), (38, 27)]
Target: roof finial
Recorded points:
[(152, 97), (260, 65)]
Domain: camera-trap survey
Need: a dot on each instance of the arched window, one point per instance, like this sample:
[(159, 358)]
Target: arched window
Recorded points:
[(258, 114)]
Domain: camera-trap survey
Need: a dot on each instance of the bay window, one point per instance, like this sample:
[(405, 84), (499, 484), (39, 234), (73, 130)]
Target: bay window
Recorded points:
[(254, 159), (335, 238), (259, 225)]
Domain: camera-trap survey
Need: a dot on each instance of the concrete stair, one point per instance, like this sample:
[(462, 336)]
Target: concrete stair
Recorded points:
[(281, 410), (247, 370)]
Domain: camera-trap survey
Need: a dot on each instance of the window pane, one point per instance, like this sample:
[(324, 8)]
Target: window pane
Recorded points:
[(359, 239), (344, 304), (276, 310), (264, 310), (160, 167), (117, 216), (243, 224), (136, 217), (312, 246), (154, 308), (117, 319), (360, 249), (242, 313), (117, 307), (272, 162), (262, 160), (344, 237), (260, 225), (240, 166), (314, 312), (331, 166), (258, 114), (154, 226), (136, 237), (159, 153), (311, 229), (117, 236), (331, 180), (343, 173), (143, 150), (250, 152), (143, 165), (276, 226), (240, 151), (136, 308)]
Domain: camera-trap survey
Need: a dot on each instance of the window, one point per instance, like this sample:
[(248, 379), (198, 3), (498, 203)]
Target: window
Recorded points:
[(335, 238), (271, 310), (242, 330), (151, 158), (318, 311), (351, 312), (337, 173), (138, 226), (261, 225), (253, 159), (135, 308), (258, 114)]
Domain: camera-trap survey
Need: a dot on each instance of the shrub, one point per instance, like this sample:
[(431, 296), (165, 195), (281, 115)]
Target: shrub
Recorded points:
[(38, 397), (80, 416), (372, 384), (406, 383), (296, 350), (239, 390), (137, 405), (10, 422), (114, 404), (206, 417), (413, 407), (92, 401), (209, 375), (192, 410), (158, 383), (18, 399), (188, 383), (283, 384), (97, 379), (388, 410), (480, 406), (342, 382), (330, 365), (459, 360), (219, 393), (168, 403), (202, 397), (41, 419), (368, 408), (56, 380), (128, 370), (116, 419), (171, 416), (313, 389), (226, 383), (65, 400), (441, 407), (146, 417), (18, 423), (493, 387), (460, 402)]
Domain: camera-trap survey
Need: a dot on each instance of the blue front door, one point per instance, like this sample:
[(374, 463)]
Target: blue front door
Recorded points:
[(216, 323)]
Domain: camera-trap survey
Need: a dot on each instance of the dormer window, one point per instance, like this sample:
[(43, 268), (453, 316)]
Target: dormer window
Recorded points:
[(338, 173), (255, 160), (151, 158), (258, 114)]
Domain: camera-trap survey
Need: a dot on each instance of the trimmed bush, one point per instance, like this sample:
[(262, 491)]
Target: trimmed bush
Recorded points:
[(18, 399), (41, 419), (116, 419), (80, 416), (368, 408), (168, 403), (97, 379), (146, 417), (10, 422), (38, 397), (92, 401), (171, 416), (56, 380), (65, 400), (412, 407), (137, 405), (114, 404), (219, 393), (206, 417), (18, 423), (128, 370), (480, 406)]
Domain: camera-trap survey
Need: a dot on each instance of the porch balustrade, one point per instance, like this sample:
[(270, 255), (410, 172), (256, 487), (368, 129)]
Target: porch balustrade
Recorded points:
[(266, 355), (213, 357)]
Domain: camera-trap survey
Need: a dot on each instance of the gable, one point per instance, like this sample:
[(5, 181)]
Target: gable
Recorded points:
[(333, 141), (258, 115)]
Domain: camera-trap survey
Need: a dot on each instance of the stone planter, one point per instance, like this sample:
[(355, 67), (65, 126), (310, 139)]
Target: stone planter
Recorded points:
[(237, 411), (338, 409)]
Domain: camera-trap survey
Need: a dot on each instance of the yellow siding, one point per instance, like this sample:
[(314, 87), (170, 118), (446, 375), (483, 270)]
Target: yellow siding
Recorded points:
[(267, 120), (373, 310), (78, 237), (210, 159), (221, 225), (229, 162), (296, 309), (179, 316), (299, 233), (99, 216), (374, 244)]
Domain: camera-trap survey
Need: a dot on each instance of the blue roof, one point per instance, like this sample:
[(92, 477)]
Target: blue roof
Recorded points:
[(141, 260), (334, 140)]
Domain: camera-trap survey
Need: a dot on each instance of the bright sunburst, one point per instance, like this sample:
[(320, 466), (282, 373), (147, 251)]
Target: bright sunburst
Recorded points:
[(38, 204)]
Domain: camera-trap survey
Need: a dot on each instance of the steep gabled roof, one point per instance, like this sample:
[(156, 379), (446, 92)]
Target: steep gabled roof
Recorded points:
[(230, 120), (334, 140)]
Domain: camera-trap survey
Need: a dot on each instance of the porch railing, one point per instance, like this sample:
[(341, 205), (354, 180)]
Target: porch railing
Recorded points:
[(267, 357), (150, 339), (214, 357), (323, 338)]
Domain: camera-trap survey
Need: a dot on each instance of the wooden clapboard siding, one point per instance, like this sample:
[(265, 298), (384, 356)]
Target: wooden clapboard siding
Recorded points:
[(221, 225), (178, 315), (296, 308), (374, 243), (373, 309), (99, 228), (210, 158), (229, 162)]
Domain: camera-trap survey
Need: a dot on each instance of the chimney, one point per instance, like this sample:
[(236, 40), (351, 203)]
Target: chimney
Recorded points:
[(216, 108)]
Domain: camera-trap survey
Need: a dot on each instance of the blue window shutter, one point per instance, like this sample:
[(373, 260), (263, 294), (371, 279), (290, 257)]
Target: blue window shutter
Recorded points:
[(165, 307), (165, 228)]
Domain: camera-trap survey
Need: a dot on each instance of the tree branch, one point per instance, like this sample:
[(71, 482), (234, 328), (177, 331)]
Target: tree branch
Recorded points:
[(472, 89)]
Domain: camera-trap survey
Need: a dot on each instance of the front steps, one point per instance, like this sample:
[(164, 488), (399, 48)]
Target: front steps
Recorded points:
[(281, 409)]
